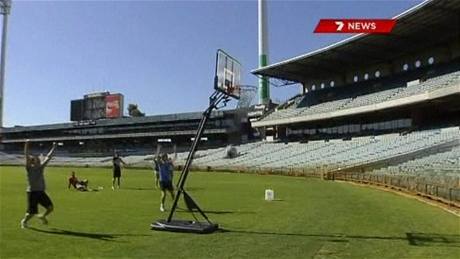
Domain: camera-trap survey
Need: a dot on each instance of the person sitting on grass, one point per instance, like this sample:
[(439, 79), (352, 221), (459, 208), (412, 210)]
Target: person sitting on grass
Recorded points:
[(77, 184), (36, 185)]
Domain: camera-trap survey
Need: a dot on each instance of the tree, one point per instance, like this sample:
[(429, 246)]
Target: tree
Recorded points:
[(134, 111)]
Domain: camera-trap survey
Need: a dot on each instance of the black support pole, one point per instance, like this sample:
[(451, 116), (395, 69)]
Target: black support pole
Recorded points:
[(214, 101)]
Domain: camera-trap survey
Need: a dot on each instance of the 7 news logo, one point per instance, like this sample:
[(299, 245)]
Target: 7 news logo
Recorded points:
[(356, 25), (382, 26)]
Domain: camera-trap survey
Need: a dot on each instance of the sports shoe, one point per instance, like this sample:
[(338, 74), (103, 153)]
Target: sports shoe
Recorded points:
[(24, 224), (113, 188), (43, 219), (162, 209)]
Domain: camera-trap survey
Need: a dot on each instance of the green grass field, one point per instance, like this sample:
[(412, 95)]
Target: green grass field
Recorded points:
[(311, 219)]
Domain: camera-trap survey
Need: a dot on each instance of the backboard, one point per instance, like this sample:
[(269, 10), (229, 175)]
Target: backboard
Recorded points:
[(228, 74)]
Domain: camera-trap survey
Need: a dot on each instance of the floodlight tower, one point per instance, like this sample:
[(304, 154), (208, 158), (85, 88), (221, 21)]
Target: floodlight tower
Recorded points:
[(5, 7), (264, 89)]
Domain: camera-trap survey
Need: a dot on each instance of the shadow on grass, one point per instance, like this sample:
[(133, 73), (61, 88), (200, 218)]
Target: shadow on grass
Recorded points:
[(194, 189), (98, 236), (227, 212), (429, 239), (217, 212), (415, 239), (139, 188), (158, 189)]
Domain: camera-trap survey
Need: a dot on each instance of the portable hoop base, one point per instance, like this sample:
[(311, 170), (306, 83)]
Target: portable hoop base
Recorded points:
[(224, 88), (186, 226), (189, 226)]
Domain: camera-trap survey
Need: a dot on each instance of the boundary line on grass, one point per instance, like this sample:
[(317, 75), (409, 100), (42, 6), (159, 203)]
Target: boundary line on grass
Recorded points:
[(425, 200)]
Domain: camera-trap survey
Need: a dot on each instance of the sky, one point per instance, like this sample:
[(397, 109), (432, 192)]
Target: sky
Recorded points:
[(158, 54)]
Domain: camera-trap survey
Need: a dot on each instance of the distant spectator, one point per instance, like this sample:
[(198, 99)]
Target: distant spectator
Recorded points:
[(117, 161)]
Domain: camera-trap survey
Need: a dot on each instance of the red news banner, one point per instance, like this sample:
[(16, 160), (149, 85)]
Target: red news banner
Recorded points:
[(383, 26)]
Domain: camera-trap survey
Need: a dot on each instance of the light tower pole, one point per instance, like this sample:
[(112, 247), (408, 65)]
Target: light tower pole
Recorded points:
[(5, 7), (264, 90)]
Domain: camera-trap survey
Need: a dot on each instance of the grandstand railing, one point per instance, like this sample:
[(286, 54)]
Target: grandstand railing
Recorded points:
[(449, 195)]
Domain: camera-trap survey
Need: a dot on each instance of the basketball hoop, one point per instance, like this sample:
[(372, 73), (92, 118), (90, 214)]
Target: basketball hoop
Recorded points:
[(226, 85), (228, 74)]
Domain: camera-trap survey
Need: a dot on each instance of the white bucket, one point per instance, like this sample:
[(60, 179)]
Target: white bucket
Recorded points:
[(269, 195)]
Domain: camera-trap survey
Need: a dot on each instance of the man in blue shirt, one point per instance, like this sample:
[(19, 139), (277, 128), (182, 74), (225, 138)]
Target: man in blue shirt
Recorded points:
[(165, 174)]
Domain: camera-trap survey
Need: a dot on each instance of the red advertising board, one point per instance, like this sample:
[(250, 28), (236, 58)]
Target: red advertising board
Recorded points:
[(114, 106)]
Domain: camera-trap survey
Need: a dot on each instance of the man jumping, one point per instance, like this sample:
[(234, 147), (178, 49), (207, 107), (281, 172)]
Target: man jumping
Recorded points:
[(166, 167), (36, 189)]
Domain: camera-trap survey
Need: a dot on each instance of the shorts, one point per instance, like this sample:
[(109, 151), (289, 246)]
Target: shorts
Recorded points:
[(37, 197), (166, 185), (116, 172), (82, 185)]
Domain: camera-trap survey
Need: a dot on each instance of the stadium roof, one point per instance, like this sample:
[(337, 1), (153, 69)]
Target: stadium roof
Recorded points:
[(117, 136), (116, 122), (424, 25)]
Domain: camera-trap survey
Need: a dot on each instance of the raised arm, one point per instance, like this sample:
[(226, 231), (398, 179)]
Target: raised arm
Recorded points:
[(157, 153), (26, 152), (175, 153), (50, 154), (123, 161), (155, 158)]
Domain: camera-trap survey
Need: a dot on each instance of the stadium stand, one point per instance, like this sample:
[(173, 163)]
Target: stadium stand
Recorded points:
[(130, 135), (373, 109), (314, 156), (329, 155), (430, 85), (10, 159), (440, 164)]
